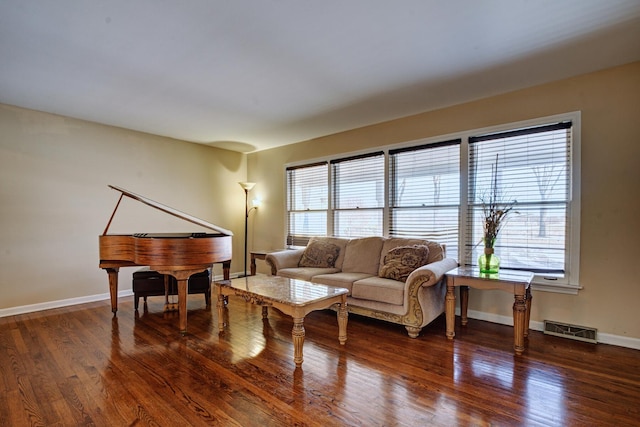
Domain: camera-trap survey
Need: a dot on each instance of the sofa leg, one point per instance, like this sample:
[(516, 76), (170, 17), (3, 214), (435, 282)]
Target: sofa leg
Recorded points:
[(413, 331)]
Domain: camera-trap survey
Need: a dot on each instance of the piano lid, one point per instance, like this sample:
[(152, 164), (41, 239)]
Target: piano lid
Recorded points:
[(165, 209)]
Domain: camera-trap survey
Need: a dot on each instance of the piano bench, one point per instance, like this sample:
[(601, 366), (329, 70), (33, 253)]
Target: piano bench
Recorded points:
[(147, 283)]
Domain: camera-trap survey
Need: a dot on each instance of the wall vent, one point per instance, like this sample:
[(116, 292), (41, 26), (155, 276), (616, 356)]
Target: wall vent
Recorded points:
[(580, 333)]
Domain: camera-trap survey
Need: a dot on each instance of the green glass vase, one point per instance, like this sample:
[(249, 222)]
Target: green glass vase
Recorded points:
[(489, 262)]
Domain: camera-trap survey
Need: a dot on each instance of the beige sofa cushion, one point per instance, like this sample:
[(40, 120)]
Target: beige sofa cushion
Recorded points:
[(363, 255), (319, 254), (305, 273), (436, 250), (379, 289), (340, 280), (402, 260), (341, 242)]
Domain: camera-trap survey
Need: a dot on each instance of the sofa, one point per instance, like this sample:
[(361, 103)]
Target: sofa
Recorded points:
[(398, 280)]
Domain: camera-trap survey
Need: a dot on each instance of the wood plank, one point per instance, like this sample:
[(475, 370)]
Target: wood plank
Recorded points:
[(80, 366)]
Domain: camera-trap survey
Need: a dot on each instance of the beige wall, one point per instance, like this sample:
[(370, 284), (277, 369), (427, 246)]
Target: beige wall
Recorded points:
[(610, 105), (54, 199)]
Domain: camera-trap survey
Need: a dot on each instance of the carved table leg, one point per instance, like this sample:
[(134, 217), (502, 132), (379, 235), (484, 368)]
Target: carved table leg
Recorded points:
[(265, 311), (527, 317), (450, 308), (464, 305), (519, 312), (298, 339), (220, 305), (343, 317)]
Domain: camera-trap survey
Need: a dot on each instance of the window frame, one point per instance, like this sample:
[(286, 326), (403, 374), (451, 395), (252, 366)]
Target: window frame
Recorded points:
[(570, 283), (354, 164), (406, 162), (293, 239)]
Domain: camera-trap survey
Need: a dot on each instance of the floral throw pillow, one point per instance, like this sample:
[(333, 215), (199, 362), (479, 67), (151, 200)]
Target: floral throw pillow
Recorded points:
[(402, 260), (320, 255)]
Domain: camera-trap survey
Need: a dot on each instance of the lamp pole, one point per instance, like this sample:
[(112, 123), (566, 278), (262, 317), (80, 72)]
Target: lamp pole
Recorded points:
[(246, 186)]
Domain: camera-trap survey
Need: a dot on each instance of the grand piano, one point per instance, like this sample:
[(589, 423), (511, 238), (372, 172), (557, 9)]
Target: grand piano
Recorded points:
[(177, 254)]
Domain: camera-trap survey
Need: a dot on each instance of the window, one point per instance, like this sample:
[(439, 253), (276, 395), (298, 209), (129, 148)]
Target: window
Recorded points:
[(307, 203), (424, 193), (433, 189), (358, 195), (533, 168)]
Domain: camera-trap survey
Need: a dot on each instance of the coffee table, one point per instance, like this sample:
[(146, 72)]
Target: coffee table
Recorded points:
[(293, 297), (513, 281)]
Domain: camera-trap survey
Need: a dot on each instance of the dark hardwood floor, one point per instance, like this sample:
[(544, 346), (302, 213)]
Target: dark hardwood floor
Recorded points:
[(81, 366)]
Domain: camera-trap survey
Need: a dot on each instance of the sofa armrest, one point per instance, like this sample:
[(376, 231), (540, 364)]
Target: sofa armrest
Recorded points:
[(430, 274), (288, 258)]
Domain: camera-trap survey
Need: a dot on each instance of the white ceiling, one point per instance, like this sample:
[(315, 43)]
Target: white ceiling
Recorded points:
[(250, 75)]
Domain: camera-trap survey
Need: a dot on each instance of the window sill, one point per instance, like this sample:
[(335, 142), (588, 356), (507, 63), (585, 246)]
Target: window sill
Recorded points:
[(556, 288)]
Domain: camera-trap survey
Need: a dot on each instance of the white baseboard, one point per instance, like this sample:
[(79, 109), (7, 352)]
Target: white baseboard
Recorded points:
[(4, 312), (60, 303), (618, 340)]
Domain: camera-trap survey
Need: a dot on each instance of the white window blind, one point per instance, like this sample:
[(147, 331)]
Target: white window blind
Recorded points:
[(533, 169), (358, 195), (424, 193), (307, 202), (434, 191)]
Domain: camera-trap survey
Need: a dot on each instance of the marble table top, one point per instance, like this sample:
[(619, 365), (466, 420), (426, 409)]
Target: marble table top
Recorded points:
[(281, 289)]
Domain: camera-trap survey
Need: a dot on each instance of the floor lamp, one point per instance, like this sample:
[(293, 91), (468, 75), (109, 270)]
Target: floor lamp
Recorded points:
[(246, 186)]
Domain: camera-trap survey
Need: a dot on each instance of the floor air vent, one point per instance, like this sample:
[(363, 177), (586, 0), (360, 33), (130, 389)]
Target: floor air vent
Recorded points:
[(574, 332)]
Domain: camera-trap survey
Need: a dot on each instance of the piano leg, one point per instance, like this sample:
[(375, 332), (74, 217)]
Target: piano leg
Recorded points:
[(113, 287), (226, 268), (182, 276), (183, 283), (226, 275)]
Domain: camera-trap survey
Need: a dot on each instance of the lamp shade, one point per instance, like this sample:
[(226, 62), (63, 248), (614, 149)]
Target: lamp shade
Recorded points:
[(247, 186)]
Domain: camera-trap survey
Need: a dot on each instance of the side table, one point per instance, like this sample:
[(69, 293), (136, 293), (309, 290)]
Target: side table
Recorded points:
[(516, 281), (259, 254)]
